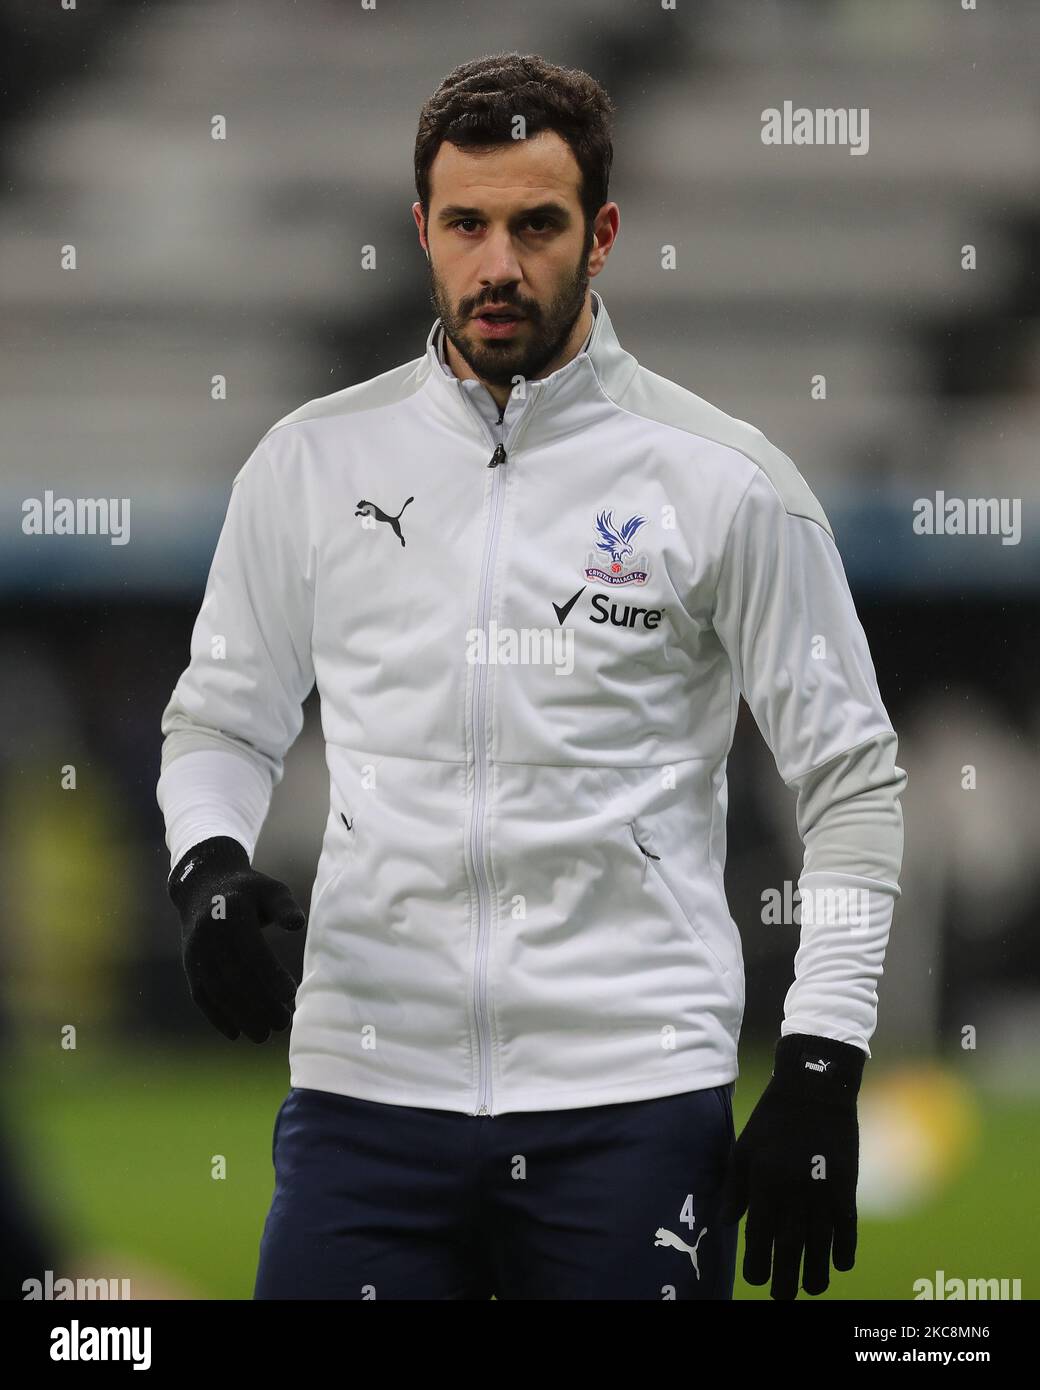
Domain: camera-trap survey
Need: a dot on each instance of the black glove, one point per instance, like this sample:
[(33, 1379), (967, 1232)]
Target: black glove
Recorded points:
[(795, 1166), (233, 975)]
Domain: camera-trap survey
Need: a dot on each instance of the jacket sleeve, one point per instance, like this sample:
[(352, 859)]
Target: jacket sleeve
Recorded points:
[(237, 707), (785, 616)]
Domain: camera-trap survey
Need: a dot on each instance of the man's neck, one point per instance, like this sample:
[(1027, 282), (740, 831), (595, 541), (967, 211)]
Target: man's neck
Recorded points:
[(501, 394)]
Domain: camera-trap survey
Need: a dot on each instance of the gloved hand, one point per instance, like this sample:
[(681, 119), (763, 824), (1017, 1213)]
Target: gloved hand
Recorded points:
[(233, 975), (795, 1166)]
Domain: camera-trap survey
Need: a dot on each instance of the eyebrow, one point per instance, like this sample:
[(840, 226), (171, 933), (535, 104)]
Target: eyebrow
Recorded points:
[(547, 209)]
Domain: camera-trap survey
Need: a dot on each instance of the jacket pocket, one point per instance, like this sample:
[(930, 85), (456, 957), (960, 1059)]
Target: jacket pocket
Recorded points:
[(344, 848), (654, 874)]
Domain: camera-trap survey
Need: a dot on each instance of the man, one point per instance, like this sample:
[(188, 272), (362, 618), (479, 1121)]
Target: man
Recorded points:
[(531, 580)]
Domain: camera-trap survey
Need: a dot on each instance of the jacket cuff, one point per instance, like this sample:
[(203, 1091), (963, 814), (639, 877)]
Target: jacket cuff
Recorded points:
[(206, 791)]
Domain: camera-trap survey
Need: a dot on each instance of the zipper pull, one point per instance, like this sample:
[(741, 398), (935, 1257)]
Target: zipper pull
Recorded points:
[(499, 456)]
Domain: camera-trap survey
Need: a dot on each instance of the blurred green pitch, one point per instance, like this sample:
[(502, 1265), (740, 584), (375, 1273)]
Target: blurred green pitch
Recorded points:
[(120, 1146)]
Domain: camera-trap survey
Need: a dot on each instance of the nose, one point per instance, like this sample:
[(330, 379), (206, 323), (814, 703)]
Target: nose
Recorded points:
[(499, 267)]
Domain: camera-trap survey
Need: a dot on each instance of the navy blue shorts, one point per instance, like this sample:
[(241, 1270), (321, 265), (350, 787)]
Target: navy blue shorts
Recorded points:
[(394, 1201)]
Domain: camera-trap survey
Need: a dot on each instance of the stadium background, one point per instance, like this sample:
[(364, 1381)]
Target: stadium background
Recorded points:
[(242, 257)]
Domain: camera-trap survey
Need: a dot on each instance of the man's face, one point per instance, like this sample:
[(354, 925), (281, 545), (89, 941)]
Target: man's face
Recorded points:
[(506, 229)]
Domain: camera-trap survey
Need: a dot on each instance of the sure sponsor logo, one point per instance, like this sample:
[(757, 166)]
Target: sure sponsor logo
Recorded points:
[(608, 610), (623, 615)]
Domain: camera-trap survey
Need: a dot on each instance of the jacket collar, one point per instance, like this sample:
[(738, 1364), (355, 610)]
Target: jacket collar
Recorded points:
[(556, 405)]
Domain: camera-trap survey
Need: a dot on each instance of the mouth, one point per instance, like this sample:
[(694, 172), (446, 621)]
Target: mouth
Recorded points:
[(499, 323)]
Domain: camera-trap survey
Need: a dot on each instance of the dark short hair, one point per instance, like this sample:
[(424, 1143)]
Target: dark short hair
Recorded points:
[(477, 103)]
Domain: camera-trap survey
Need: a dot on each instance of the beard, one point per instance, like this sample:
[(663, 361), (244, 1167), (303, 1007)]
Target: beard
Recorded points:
[(540, 340)]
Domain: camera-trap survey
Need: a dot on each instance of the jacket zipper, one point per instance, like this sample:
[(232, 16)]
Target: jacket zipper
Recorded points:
[(478, 718)]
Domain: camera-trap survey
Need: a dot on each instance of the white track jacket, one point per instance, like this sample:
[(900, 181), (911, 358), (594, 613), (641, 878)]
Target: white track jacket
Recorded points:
[(530, 637)]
